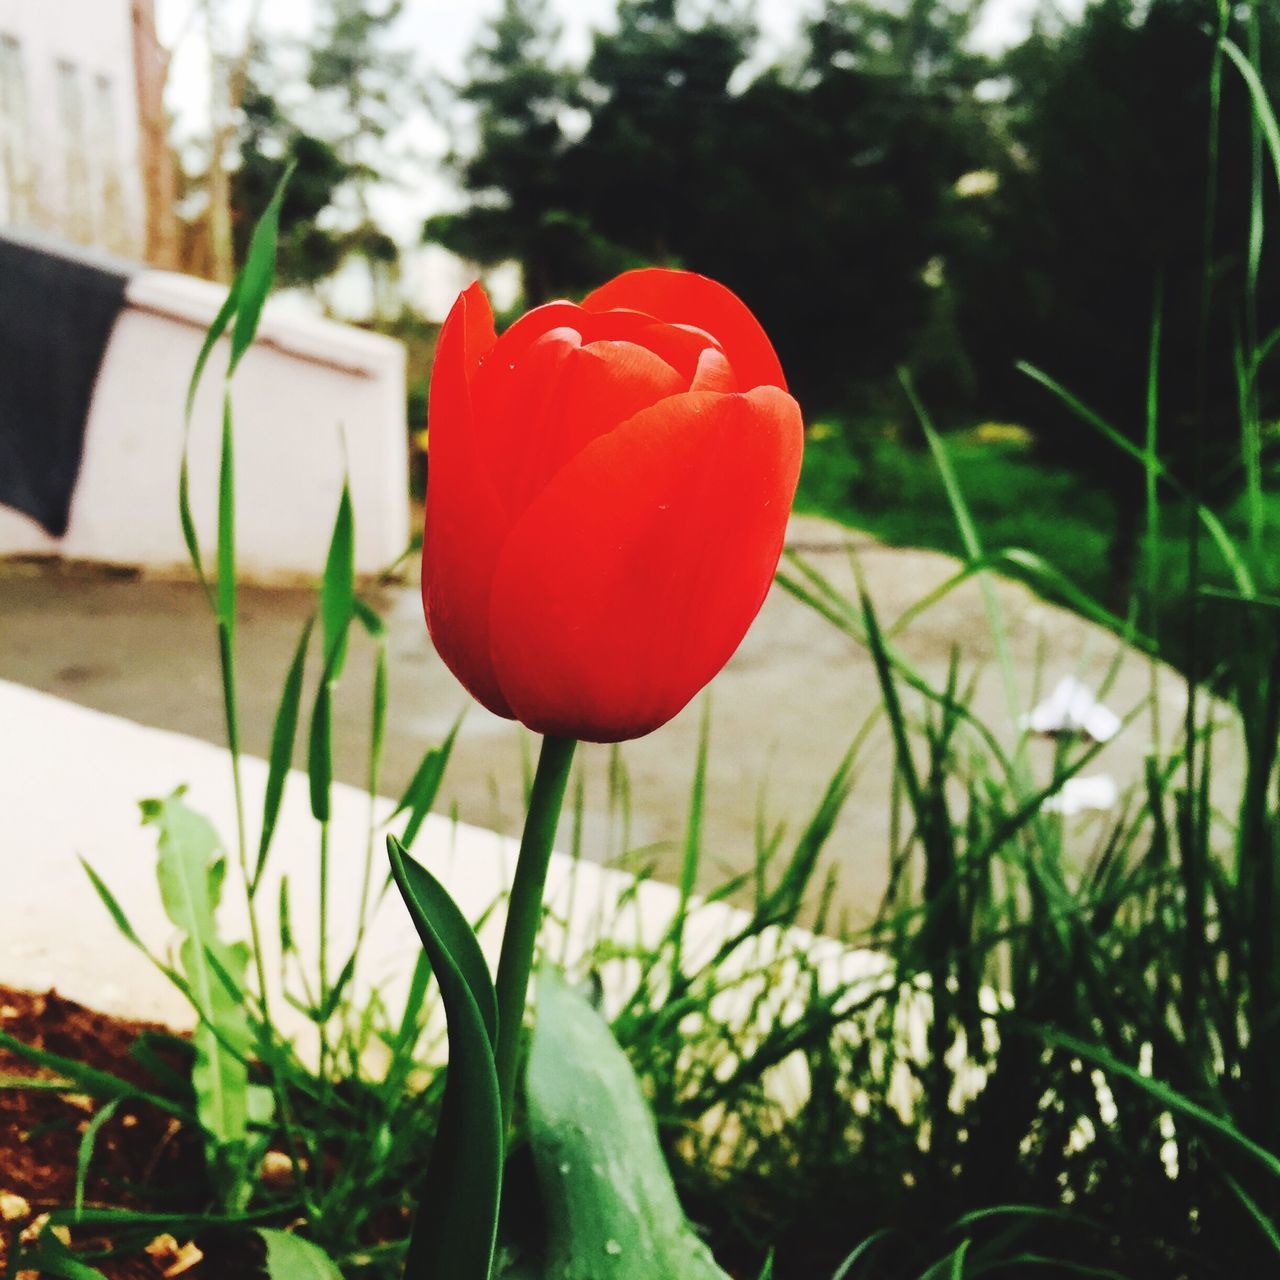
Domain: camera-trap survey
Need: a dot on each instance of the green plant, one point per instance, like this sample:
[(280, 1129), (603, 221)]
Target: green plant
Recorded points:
[(1050, 1053)]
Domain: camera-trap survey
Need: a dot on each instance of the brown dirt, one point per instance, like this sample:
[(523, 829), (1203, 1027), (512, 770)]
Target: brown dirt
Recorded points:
[(143, 1159)]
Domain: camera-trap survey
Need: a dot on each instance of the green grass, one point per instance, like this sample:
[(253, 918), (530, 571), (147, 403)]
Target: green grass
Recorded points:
[(894, 491), (868, 479)]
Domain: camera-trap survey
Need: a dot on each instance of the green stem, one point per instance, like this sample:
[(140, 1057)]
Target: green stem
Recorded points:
[(524, 913), (323, 957)]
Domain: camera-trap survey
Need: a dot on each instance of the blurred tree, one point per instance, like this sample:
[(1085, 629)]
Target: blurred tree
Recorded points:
[(369, 81), (840, 211), (647, 172), (1100, 209), (335, 126), (371, 88), (821, 192), (523, 104), (269, 139)]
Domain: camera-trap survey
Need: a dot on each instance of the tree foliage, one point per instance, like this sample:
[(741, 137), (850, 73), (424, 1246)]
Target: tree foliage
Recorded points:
[(819, 190), (334, 125), (1102, 218)]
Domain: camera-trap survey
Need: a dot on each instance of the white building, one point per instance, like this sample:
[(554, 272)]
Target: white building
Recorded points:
[(70, 137), (84, 161)]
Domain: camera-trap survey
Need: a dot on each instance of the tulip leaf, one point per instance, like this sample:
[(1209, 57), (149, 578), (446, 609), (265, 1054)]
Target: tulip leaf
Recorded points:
[(611, 1207), (456, 1229)]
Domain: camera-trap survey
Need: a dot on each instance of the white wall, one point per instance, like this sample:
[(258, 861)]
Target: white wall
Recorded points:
[(312, 398), (95, 37), (58, 934)]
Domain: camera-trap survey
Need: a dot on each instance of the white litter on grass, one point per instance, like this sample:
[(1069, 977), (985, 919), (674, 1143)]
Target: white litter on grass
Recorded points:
[(1071, 709), (1087, 793)]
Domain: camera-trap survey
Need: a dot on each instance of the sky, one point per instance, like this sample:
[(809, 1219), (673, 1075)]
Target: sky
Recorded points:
[(441, 32)]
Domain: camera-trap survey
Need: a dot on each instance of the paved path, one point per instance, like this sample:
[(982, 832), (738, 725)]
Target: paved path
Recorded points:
[(783, 712)]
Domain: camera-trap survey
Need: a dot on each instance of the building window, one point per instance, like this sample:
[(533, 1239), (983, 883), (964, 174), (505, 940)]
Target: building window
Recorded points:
[(79, 218), (15, 160), (106, 156)]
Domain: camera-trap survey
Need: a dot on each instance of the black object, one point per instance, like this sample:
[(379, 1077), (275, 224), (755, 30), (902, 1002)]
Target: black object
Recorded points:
[(57, 310)]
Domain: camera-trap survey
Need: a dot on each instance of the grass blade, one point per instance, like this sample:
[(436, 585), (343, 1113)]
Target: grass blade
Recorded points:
[(338, 589), (256, 277), (1164, 1094), (283, 735), (87, 1143), (424, 786)]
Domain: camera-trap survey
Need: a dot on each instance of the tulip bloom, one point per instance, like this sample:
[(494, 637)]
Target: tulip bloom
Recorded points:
[(607, 496)]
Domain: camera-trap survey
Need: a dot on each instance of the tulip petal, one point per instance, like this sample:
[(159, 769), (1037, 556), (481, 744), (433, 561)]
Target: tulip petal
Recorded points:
[(715, 373), (632, 578), (685, 298), (537, 412), (466, 523), (528, 328)]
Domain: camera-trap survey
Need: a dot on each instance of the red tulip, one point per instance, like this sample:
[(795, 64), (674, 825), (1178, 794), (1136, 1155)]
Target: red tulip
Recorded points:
[(607, 496)]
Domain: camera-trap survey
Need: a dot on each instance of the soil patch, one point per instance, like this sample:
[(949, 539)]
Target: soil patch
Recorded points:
[(143, 1159)]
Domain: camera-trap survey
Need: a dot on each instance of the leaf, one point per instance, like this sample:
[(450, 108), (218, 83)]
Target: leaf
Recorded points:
[(286, 919), (243, 304), (97, 1084), (337, 609), (87, 1143), (227, 525), (114, 909), (692, 845), (1163, 1093), (369, 619), (430, 904), (456, 1228), (53, 1258), (255, 279), (1213, 525), (845, 1269), (190, 871), (611, 1207), (37, 1084), (290, 1257), (338, 587), (424, 786), (187, 520), (110, 1220), (1261, 104), (320, 751), (329, 1006), (283, 736)]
